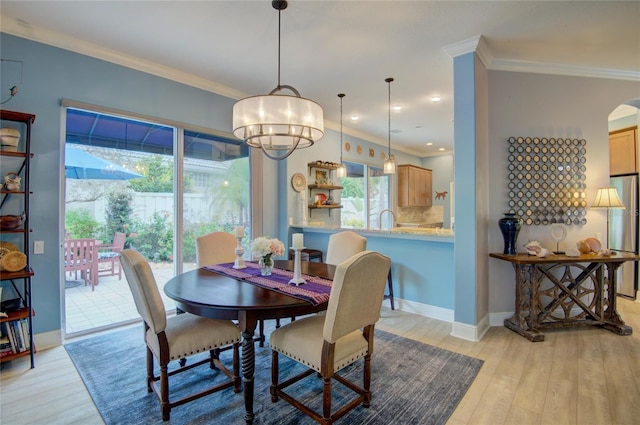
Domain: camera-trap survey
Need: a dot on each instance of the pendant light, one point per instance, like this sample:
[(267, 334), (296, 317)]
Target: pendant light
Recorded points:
[(389, 165), (341, 171), (277, 123)]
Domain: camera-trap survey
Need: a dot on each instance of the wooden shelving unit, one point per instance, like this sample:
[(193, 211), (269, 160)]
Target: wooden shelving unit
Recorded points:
[(16, 203), (319, 187)]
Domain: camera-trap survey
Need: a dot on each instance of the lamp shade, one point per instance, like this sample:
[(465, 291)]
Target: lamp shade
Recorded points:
[(607, 197), (278, 122)]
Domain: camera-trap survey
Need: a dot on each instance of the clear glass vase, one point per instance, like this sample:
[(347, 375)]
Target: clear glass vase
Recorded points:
[(266, 265)]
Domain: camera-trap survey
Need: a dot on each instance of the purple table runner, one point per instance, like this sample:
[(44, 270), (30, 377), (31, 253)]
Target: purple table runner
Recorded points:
[(316, 290)]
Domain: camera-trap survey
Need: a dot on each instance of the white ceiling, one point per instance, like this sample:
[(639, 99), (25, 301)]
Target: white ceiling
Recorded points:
[(329, 47)]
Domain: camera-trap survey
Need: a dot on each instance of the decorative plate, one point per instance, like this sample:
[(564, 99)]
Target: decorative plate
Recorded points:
[(298, 182), (6, 247)]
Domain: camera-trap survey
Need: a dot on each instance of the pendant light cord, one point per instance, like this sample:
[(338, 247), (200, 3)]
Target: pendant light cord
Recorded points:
[(341, 95), (389, 80), (279, 31)]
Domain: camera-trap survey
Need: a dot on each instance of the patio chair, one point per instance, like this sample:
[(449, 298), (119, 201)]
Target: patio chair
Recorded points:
[(108, 264), (80, 256), (327, 343)]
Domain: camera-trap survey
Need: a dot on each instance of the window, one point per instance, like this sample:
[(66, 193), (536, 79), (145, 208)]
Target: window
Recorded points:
[(366, 192)]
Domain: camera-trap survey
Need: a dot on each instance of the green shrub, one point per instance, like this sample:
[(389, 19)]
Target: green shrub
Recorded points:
[(80, 224), (154, 240)]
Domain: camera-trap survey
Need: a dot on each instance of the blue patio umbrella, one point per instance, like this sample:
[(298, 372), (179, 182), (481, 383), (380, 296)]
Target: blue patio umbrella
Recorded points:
[(79, 164)]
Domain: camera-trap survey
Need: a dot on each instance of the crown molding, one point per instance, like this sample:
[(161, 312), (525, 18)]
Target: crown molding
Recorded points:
[(478, 45), (41, 35), (562, 69)]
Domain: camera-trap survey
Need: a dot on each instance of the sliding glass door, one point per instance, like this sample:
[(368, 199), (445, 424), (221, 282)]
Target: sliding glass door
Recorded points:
[(160, 186)]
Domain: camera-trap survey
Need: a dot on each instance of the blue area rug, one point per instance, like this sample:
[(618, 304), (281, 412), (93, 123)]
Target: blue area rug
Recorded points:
[(412, 383)]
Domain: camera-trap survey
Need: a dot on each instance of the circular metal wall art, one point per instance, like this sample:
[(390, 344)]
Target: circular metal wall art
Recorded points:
[(561, 163)]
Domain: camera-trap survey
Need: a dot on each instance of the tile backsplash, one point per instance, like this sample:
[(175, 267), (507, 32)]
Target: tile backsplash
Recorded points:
[(434, 214)]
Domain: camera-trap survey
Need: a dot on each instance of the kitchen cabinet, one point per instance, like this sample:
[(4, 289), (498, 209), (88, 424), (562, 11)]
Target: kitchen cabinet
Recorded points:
[(414, 186), (623, 151)]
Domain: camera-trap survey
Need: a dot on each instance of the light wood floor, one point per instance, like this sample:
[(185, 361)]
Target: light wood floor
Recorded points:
[(583, 376)]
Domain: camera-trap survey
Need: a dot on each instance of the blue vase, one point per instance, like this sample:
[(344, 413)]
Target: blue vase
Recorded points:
[(510, 227)]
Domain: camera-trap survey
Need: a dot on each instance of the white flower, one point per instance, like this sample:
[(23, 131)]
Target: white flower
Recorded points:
[(263, 246)]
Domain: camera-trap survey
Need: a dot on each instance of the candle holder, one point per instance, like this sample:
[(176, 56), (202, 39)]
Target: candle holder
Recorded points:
[(297, 279), (239, 251)]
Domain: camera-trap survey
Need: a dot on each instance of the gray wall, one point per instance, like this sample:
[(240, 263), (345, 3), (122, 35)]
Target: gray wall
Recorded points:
[(522, 104)]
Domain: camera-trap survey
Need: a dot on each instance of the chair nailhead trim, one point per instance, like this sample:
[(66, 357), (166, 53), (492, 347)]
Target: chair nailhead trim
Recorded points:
[(201, 350), (310, 366)]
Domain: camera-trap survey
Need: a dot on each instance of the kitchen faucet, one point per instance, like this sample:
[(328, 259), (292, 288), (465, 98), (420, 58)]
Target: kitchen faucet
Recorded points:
[(393, 221)]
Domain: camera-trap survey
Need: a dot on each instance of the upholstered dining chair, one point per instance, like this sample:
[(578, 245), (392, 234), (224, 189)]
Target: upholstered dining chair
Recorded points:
[(177, 337), (344, 245), (326, 343), (215, 248)]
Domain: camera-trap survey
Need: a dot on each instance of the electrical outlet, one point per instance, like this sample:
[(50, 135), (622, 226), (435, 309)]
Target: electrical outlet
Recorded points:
[(38, 247)]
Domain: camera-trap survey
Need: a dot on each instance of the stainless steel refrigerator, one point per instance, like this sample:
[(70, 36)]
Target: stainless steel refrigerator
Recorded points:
[(623, 232)]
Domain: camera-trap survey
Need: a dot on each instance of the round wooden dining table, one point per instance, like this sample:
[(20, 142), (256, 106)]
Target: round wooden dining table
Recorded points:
[(217, 296)]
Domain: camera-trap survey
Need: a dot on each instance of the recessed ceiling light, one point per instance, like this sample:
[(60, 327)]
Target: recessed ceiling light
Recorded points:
[(429, 144), (354, 118), (397, 108), (441, 149), (436, 99)]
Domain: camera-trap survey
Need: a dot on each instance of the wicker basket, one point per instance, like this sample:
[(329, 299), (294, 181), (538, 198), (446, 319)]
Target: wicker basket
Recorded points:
[(13, 261), (10, 137)]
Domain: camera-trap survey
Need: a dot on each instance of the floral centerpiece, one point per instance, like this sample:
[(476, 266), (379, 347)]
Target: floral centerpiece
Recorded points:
[(264, 248)]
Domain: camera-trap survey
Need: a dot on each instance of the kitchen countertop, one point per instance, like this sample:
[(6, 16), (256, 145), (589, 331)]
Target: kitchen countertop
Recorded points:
[(420, 233)]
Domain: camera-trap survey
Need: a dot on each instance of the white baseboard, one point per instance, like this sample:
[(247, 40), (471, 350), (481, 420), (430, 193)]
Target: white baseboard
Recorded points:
[(471, 332), (497, 319), (426, 310), (48, 340)]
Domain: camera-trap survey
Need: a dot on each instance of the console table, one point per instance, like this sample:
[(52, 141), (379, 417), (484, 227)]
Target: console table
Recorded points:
[(561, 292)]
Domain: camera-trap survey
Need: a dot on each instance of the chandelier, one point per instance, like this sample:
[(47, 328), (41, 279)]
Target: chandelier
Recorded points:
[(278, 123)]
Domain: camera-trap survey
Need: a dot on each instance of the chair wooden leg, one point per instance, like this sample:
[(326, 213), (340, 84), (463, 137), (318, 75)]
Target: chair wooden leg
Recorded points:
[(326, 400), (274, 376), (261, 335), (149, 370), (367, 381), (236, 369), (164, 392), (390, 284)]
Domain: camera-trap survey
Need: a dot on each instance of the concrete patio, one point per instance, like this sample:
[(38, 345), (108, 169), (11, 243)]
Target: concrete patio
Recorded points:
[(110, 304)]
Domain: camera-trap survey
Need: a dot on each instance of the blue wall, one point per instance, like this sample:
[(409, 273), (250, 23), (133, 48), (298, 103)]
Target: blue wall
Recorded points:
[(51, 74), (422, 269)]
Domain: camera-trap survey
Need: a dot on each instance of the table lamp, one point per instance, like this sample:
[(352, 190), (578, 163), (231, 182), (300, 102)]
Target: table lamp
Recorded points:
[(607, 197)]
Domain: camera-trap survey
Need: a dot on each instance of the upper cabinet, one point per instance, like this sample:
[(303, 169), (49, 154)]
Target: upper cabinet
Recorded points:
[(414, 186), (623, 151)]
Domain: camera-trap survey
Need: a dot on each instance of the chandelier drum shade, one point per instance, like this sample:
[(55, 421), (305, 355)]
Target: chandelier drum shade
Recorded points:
[(278, 123)]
